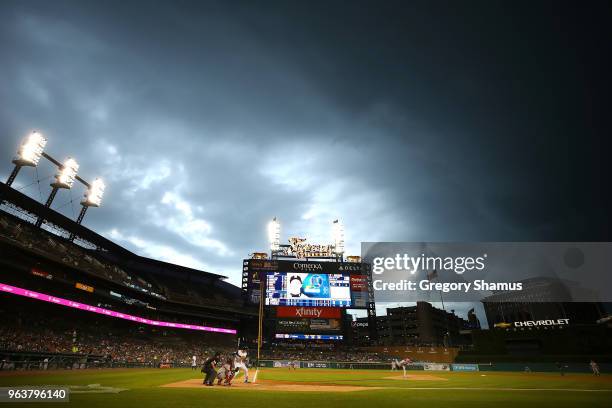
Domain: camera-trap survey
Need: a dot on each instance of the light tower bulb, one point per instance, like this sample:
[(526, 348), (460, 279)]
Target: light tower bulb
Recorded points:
[(93, 196), (31, 150), (67, 174)]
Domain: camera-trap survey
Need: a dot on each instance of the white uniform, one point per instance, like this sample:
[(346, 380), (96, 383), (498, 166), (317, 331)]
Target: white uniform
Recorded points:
[(225, 374), (594, 367), (396, 364), (194, 362), (240, 362)]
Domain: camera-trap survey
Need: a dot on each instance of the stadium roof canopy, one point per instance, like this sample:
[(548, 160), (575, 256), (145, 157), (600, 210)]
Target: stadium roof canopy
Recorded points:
[(109, 249)]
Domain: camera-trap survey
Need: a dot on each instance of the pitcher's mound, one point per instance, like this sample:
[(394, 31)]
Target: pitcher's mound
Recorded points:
[(268, 385), (417, 377)]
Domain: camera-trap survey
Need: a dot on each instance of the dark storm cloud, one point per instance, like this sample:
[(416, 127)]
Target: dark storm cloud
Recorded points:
[(410, 121)]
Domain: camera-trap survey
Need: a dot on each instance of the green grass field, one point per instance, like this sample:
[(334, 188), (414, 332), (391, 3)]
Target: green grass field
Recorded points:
[(143, 389)]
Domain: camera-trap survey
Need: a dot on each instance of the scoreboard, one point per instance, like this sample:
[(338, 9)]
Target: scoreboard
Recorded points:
[(307, 283), (307, 300), (308, 289)]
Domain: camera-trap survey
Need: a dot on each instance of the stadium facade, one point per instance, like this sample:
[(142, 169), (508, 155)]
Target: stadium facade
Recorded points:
[(62, 268)]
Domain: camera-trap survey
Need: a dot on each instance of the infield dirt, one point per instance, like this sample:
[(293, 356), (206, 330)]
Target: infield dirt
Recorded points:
[(274, 385), (270, 385)]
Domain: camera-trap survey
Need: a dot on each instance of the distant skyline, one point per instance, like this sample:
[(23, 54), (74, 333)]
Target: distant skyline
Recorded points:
[(409, 121)]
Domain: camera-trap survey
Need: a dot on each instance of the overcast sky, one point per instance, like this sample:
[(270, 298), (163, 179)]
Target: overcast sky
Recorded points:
[(410, 121)]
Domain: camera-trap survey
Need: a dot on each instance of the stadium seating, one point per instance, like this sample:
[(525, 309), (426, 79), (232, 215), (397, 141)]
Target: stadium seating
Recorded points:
[(50, 246), (59, 332)]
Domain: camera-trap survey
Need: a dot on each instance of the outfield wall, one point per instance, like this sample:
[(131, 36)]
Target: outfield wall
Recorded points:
[(472, 357), (416, 353), (544, 367), (326, 364), (433, 366)]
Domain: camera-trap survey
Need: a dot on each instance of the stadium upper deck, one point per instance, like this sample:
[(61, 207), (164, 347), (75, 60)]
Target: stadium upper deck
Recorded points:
[(61, 245)]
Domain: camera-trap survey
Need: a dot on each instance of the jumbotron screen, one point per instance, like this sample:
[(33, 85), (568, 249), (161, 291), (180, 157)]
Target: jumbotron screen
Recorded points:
[(308, 289)]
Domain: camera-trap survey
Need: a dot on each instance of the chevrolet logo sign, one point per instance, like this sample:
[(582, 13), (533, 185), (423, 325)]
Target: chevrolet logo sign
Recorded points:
[(502, 325)]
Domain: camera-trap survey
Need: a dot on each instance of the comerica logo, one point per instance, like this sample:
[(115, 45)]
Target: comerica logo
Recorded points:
[(308, 266)]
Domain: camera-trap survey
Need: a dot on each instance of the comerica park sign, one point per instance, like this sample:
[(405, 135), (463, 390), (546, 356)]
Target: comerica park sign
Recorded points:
[(299, 248)]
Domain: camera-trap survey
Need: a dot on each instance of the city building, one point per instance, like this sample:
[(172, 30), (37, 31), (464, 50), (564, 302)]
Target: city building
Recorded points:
[(539, 300), (421, 324)]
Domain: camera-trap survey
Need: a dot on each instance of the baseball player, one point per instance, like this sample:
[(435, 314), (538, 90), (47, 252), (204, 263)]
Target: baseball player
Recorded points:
[(397, 364), (594, 367), (240, 362), (208, 368), (561, 367), (226, 373)]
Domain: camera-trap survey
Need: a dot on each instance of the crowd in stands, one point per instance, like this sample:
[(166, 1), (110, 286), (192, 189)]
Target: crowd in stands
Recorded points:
[(65, 331), (181, 291), (105, 346), (111, 341), (140, 346), (53, 247), (105, 340), (322, 355)]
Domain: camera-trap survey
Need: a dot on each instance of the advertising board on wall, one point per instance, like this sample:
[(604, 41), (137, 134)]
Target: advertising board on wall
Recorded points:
[(436, 367), (309, 312), (464, 367)]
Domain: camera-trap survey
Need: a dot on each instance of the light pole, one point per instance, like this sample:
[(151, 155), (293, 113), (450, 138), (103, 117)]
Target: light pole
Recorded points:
[(29, 154), (63, 179), (93, 198), (338, 236), (274, 236)]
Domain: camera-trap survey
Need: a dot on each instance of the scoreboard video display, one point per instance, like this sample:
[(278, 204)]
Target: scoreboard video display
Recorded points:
[(308, 289), (297, 283)]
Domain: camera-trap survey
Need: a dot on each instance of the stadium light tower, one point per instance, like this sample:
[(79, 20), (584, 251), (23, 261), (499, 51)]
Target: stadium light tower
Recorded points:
[(63, 179), (338, 235), (29, 154), (274, 234), (93, 198)]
